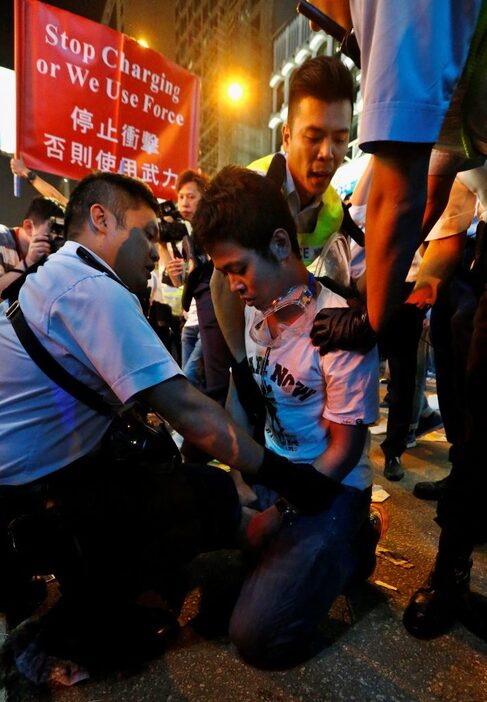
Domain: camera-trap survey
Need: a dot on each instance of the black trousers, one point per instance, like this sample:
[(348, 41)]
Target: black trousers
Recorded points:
[(451, 334), (130, 526), (399, 344), (461, 511)]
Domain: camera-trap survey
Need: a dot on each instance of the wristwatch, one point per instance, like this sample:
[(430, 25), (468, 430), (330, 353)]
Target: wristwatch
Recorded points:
[(31, 175), (286, 510)]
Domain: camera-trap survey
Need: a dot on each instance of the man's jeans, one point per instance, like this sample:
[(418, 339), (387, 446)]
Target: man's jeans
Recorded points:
[(191, 354), (296, 579)]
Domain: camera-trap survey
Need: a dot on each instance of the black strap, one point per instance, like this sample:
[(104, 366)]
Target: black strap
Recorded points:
[(93, 262), (348, 226), (346, 291), (277, 169), (41, 356), (51, 367)]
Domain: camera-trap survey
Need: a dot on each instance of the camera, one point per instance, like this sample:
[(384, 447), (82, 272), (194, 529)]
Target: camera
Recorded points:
[(55, 232), (171, 232)]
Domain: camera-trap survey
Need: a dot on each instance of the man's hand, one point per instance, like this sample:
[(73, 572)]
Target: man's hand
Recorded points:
[(39, 246), (424, 296), (18, 167), (175, 270), (300, 484), (342, 328), (258, 528)]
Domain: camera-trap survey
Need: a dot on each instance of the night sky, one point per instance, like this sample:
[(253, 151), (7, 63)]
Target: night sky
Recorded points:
[(91, 9)]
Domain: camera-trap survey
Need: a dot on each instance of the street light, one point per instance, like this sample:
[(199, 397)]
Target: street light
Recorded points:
[(235, 91)]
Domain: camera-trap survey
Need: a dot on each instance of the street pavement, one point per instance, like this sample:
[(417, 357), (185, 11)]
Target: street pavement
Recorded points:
[(369, 656)]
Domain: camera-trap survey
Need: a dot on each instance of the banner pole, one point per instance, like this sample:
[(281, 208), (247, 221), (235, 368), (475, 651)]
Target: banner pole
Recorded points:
[(18, 26)]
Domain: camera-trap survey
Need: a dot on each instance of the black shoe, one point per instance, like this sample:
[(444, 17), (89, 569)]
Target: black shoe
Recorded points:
[(428, 424), (393, 469), (430, 489), (433, 608)]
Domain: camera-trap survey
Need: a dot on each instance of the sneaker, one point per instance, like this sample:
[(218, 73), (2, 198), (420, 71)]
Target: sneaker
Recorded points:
[(430, 489), (428, 424), (379, 519), (411, 439), (433, 608), (369, 538), (393, 469)]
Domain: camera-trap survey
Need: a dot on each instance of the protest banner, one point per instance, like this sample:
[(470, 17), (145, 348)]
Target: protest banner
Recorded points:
[(90, 98)]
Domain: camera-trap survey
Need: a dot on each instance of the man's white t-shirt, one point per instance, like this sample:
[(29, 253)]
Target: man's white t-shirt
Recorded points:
[(301, 389)]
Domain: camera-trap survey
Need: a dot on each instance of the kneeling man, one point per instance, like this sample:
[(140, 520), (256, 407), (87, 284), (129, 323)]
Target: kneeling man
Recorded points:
[(318, 409)]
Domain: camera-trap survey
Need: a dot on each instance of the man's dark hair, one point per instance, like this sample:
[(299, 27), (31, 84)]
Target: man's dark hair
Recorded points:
[(42, 208), (245, 207), (324, 78), (190, 176), (118, 193)]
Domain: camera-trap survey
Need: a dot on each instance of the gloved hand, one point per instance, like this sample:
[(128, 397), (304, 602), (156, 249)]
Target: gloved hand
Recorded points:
[(300, 483), (342, 328)]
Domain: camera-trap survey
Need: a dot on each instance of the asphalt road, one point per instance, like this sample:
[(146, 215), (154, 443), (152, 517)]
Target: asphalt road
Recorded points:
[(369, 655)]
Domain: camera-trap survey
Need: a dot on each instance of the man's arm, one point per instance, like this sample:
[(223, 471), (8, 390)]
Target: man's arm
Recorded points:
[(395, 211), (204, 423), (345, 445), (439, 262), (19, 168), (338, 10), (444, 250), (38, 247), (229, 312)]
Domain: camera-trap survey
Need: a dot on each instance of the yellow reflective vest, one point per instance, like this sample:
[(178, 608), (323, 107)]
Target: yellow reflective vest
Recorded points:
[(329, 217)]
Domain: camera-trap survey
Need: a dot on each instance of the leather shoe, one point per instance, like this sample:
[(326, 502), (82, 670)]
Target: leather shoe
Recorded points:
[(393, 469), (433, 608), (430, 489)]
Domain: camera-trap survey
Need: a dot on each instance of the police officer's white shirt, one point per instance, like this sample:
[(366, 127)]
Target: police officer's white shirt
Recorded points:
[(96, 329)]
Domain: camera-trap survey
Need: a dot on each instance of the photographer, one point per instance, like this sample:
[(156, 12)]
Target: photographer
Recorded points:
[(174, 234), (22, 247)]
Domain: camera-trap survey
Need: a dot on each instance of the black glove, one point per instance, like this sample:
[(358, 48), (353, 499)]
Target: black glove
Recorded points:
[(300, 483), (342, 328)]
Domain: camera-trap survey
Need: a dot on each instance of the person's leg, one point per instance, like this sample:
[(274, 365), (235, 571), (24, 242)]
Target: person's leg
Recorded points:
[(461, 508), (193, 366), (451, 332), (189, 337), (403, 332), (133, 520), (296, 579)]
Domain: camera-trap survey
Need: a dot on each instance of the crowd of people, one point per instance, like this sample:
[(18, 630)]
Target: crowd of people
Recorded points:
[(251, 323)]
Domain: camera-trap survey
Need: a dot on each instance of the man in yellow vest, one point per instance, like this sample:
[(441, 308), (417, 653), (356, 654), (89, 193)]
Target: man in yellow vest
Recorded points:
[(315, 142)]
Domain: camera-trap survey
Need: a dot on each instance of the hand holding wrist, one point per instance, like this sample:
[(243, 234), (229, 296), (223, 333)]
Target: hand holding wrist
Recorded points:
[(300, 483)]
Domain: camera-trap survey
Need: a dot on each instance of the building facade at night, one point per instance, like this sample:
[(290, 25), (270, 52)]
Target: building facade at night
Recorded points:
[(291, 47), (225, 41)]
